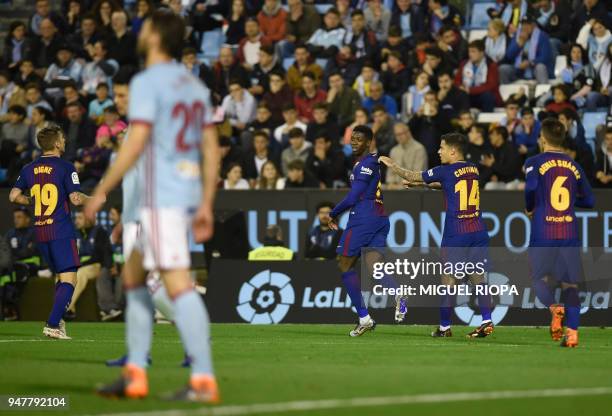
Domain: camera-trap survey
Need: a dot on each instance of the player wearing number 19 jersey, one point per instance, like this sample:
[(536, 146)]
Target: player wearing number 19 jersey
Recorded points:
[(555, 184), (53, 184)]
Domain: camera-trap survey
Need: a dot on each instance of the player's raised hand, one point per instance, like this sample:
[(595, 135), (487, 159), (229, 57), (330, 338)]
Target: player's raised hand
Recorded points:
[(203, 223), (94, 204), (387, 161)]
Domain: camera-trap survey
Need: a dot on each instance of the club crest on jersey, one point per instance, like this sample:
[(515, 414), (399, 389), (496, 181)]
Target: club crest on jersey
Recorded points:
[(75, 178), (365, 171)]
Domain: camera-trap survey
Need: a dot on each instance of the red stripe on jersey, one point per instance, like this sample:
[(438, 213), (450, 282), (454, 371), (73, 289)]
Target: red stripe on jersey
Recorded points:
[(347, 242)]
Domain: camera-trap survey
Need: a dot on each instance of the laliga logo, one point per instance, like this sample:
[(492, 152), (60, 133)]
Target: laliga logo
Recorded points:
[(266, 298), (466, 313)]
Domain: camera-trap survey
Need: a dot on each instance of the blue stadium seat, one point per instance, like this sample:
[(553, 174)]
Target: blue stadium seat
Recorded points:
[(211, 44), (479, 19), (322, 62), (322, 8), (590, 121)]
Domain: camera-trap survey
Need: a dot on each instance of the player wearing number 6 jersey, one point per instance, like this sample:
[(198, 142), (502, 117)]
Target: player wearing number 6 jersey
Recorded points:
[(555, 184), (52, 184), (171, 128), (465, 235)]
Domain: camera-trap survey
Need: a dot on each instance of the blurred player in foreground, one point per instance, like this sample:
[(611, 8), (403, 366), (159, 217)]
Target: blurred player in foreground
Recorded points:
[(52, 184), (170, 114), (465, 235), (368, 225), (555, 184)]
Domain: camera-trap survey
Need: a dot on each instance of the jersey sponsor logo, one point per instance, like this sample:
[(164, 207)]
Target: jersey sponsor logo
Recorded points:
[(365, 171), (430, 172), (529, 169), (265, 298), (75, 178)]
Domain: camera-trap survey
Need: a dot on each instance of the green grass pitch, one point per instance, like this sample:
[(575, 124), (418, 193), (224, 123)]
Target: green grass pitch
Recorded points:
[(283, 363)]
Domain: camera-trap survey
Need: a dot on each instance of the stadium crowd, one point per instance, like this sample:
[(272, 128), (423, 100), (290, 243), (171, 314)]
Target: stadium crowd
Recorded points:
[(291, 80)]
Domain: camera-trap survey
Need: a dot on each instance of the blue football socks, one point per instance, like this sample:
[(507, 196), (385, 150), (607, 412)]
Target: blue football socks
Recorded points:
[(353, 287), (63, 297)]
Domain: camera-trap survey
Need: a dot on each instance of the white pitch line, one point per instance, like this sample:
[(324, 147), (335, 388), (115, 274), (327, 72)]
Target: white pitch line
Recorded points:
[(311, 405)]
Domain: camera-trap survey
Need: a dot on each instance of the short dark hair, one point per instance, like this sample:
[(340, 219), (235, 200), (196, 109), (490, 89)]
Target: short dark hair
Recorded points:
[(527, 110), (48, 136), (477, 44), (309, 74), (320, 106), (124, 76), (364, 130), (111, 109), (457, 141), (297, 164), (553, 131), (261, 133), (28, 214), (289, 107), (434, 51), (502, 131), (324, 204), (608, 130), (171, 30), (357, 12), (101, 85), (17, 109), (395, 32), (443, 73), (296, 132), (378, 107), (268, 49), (189, 51), (76, 104), (32, 85), (333, 10)]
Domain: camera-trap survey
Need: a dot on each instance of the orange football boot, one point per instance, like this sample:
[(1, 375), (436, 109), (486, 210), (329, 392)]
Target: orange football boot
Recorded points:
[(570, 339), (556, 324)]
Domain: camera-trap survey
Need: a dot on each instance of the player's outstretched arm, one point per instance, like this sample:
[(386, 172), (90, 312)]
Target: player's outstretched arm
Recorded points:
[(78, 198), (128, 154), (409, 175), (16, 196), (204, 219)]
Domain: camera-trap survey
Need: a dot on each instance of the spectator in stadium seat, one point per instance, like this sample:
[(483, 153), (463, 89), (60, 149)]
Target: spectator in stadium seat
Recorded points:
[(273, 20), (260, 74), (504, 162), (72, 16), (478, 77), (377, 19), (21, 239), (239, 106), (263, 122), (326, 163), (526, 134), (382, 127), (342, 100), (396, 78), (303, 64), (99, 103), (34, 99), (345, 63), (416, 57), (249, 46), (511, 120), (16, 45), (595, 38), (64, 68), (99, 70), (43, 11), (321, 240), (442, 13), (465, 122), (378, 97), (224, 71), (361, 38), (325, 42), (511, 12), (478, 148), (144, 8), (83, 40), (452, 44), (70, 95), (281, 133), (102, 11), (13, 136), (407, 153), (278, 95), (344, 11), (586, 11), (408, 17), (235, 23), (299, 177), (8, 88), (298, 148), (414, 98), (259, 155), (560, 100), (574, 128), (80, 130), (602, 87), (308, 97), (270, 178), (554, 18), (230, 154), (452, 99), (603, 155), (302, 21), (496, 41), (395, 43), (361, 117), (583, 155), (233, 178), (364, 81), (27, 74), (122, 43), (528, 56), (434, 64), (95, 254), (45, 47), (577, 74), (428, 125), (321, 126), (198, 69)]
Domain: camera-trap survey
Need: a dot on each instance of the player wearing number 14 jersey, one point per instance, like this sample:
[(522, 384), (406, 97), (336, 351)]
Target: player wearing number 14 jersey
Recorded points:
[(52, 184), (554, 185), (465, 236)]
